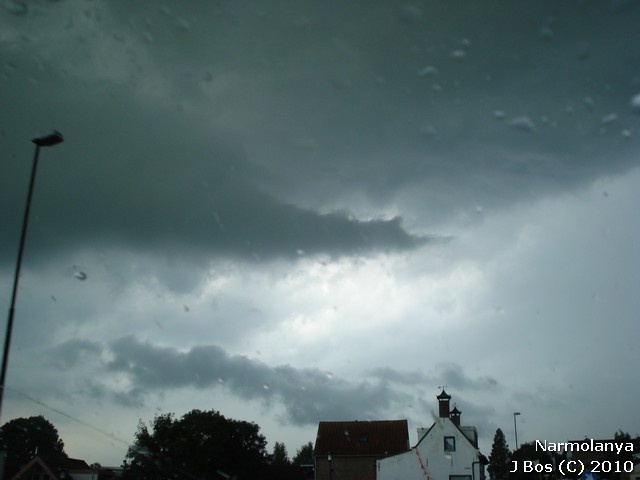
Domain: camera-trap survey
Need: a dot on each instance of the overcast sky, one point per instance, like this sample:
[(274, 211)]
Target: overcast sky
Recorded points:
[(295, 211)]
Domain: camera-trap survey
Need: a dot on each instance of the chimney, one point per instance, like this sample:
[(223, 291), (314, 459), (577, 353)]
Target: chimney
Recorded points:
[(455, 416), (443, 404)]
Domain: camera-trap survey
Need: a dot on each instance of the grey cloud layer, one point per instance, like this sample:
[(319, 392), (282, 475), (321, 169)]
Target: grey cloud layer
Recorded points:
[(307, 394)]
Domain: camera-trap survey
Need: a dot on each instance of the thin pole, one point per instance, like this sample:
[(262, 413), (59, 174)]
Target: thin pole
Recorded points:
[(16, 278), (515, 428)]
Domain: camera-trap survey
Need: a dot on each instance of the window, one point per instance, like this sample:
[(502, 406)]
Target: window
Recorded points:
[(449, 444)]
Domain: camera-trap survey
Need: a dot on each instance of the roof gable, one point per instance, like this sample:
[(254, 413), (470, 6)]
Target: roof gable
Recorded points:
[(53, 470), (379, 437), (447, 421), (35, 461)]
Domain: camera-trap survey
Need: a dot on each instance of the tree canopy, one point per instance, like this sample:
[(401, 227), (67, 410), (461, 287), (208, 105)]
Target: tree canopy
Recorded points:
[(304, 455), (499, 457), (280, 455), (199, 444), (22, 438)]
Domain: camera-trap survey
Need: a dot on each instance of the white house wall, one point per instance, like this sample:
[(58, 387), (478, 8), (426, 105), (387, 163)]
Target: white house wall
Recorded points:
[(429, 453)]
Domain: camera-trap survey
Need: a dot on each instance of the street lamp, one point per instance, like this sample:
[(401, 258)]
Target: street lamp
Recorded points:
[(48, 140), (515, 427)]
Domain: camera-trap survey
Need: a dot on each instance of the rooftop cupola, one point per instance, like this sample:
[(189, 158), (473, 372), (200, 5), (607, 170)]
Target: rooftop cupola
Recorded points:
[(454, 415), (443, 404)]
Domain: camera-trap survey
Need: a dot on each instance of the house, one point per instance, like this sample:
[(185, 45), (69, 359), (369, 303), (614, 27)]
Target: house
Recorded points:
[(68, 468), (349, 450), (445, 451)]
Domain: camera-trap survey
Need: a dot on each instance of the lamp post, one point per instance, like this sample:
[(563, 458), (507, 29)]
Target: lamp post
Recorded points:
[(515, 427), (48, 140), (330, 459)]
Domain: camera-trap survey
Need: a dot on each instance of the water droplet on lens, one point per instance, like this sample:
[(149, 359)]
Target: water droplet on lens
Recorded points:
[(80, 275), (588, 101), (635, 103), (523, 123), (612, 117), (427, 70), (183, 24)]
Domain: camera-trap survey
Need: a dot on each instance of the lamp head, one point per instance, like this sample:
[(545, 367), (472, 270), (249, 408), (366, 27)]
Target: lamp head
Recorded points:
[(49, 140)]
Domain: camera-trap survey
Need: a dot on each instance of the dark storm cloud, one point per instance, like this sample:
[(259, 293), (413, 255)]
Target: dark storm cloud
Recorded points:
[(308, 395), (152, 189), (163, 131), (462, 96)]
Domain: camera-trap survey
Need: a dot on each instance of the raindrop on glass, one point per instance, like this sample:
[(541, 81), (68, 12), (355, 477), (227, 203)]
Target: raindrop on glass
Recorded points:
[(588, 101), (612, 117), (427, 70), (80, 275), (428, 131), (183, 24), (523, 123), (635, 103), (546, 32)]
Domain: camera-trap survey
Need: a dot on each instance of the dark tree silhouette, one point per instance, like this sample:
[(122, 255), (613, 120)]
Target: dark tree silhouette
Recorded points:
[(198, 445), (499, 457), (21, 438), (304, 455), (279, 455)]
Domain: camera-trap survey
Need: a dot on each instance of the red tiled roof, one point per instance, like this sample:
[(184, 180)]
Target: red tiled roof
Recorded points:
[(379, 437)]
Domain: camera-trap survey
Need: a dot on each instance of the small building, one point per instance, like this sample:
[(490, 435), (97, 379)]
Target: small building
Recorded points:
[(349, 450), (445, 451), (69, 468)]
